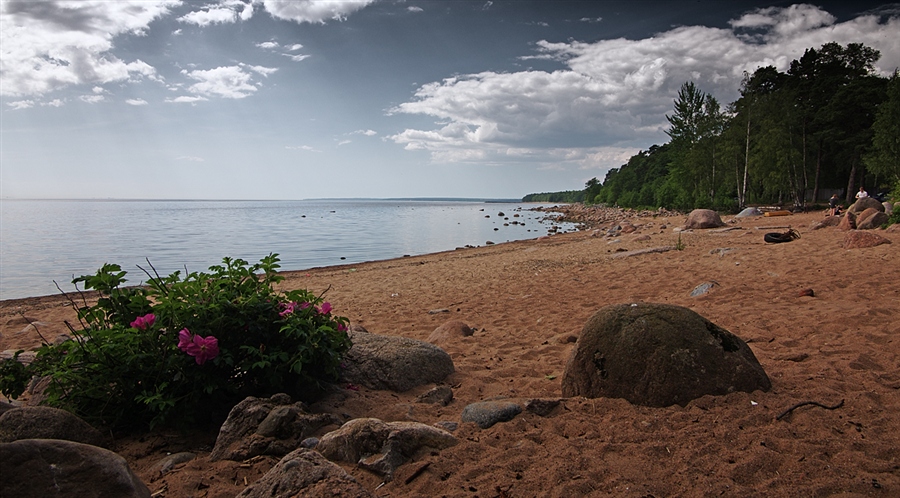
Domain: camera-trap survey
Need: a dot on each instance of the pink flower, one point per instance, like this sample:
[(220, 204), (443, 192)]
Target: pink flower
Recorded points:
[(341, 327), (201, 348), (325, 309), (144, 322), (287, 309)]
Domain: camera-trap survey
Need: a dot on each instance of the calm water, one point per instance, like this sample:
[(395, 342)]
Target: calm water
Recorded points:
[(45, 241)]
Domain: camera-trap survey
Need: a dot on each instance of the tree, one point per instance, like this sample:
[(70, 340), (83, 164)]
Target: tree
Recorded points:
[(884, 158)]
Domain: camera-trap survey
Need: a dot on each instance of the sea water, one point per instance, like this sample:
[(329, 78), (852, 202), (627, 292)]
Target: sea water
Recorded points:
[(48, 242)]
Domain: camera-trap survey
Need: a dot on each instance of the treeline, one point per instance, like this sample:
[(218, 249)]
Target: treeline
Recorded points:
[(569, 197), (829, 124)]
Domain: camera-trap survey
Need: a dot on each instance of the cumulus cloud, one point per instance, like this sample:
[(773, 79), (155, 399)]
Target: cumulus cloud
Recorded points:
[(368, 133), (297, 57), (51, 44), (231, 82), (269, 45), (413, 8), (210, 15), (313, 11), (21, 104), (185, 99), (136, 102), (92, 99), (612, 95)]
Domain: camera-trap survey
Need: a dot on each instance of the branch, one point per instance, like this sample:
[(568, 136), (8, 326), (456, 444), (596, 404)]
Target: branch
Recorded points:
[(815, 403)]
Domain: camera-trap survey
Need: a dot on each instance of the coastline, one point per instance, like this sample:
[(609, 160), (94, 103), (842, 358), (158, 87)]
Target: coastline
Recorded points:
[(527, 301)]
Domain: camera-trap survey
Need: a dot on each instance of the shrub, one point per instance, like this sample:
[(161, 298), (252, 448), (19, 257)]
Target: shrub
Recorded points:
[(182, 350)]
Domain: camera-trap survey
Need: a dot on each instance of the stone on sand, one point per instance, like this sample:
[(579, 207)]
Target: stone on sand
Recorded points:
[(659, 355), (703, 218), (394, 363)]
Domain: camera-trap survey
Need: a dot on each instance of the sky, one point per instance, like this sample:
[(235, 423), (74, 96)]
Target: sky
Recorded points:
[(301, 99)]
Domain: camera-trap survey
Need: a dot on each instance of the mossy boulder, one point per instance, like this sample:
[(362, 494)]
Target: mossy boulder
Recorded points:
[(659, 355)]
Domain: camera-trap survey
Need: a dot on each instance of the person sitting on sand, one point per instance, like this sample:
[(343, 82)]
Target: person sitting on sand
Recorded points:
[(862, 193), (835, 205)]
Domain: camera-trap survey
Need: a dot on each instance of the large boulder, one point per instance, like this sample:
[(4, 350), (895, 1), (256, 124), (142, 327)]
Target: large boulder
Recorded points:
[(874, 220), (848, 222), (865, 203), (829, 221), (380, 446), (40, 468), (856, 239), (703, 218), (394, 363), (305, 473), (749, 212), (266, 426), (44, 422), (658, 355), (487, 413)]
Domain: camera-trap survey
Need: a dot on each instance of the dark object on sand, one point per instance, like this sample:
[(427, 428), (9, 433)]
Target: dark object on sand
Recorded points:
[(776, 237)]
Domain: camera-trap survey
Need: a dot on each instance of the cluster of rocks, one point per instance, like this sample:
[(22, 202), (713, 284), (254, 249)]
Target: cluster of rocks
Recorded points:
[(649, 354), (865, 214), (587, 217)]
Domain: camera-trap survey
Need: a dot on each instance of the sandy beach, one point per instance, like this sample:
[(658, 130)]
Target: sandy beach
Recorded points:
[(528, 301)]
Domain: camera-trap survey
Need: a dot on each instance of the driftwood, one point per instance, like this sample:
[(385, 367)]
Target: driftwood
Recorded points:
[(638, 252), (805, 403)]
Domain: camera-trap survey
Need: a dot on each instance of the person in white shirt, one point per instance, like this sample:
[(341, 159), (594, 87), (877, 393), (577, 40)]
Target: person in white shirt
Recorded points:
[(862, 193)]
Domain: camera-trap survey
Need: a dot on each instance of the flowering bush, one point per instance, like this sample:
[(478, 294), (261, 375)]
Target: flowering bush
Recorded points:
[(180, 350)]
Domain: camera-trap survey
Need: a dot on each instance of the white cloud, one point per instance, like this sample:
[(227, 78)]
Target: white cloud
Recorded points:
[(313, 11), (413, 8), (21, 104), (52, 44), (136, 102), (211, 15), (613, 95), (92, 99), (231, 82), (368, 133), (184, 99), (344, 142), (293, 48), (297, 57), (54, 103), (306, 148), (269, 45)]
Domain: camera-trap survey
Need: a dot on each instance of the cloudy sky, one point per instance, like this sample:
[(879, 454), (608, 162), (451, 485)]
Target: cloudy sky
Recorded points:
[(298, 99)]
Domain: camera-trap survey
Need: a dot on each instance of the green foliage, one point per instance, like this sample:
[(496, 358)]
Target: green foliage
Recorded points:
[(568, 196), (884, 158), (181, 350), (13, 377)]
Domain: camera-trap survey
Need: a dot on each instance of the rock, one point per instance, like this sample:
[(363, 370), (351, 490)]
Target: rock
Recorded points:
[(895, 228), (750, 211), (806, 293), (381, 446), (865, 203), (848, 222), (168, 463), (394, 363), (44, 422), (541, 407), (40, 468), (862, 216), (440, 395), (5, 407), (856, 239), (703, 218), (829, 221), (305, 472), (266, 426), (875, 220), (888, 208), (450, 331), (703, 288), (488, 413), (447, 425), (658, 355)]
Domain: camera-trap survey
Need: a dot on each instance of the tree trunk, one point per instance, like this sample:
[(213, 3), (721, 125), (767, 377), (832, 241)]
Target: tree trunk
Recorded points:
[(818, 168), (742, 194), (851, 184)]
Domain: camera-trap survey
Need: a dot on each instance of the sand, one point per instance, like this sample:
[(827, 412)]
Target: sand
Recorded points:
[(528, 300)]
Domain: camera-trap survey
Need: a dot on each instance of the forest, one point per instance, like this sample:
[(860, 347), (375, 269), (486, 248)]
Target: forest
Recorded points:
[(830, 124)]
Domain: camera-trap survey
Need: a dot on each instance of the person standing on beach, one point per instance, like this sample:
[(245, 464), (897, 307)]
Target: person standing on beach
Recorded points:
[(862, 193), (834, 204)]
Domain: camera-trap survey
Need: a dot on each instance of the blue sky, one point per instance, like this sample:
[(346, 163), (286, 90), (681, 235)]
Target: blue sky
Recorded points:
[(298, 99)]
